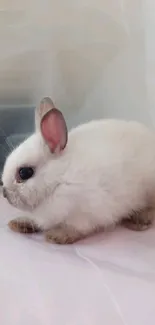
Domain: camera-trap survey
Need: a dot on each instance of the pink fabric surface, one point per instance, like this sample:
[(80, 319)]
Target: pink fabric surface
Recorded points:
[(105, 280)]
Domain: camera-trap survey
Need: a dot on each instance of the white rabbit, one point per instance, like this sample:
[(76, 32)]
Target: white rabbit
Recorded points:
[(74, 184)]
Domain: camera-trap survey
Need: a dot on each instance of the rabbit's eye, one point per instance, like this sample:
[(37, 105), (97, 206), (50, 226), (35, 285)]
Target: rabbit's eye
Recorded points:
[(25, 173)]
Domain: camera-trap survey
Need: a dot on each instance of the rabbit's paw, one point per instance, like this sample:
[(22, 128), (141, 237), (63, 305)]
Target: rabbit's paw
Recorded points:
[(23, 225), (62, 234)]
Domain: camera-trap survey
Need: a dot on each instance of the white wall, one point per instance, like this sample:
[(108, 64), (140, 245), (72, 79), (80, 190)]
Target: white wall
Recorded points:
[(149, 23), (94, 57)]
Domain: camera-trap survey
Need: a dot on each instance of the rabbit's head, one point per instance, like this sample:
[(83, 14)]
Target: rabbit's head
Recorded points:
[(32, 170)]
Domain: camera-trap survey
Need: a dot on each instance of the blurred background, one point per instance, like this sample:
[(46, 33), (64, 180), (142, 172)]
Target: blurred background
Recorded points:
[(95, 58)]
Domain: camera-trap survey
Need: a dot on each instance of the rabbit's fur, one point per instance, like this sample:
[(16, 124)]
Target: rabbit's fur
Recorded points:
[(97, 175)]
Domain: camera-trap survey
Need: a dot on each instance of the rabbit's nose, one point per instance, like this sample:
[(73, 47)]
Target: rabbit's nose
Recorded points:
[(4, 192)]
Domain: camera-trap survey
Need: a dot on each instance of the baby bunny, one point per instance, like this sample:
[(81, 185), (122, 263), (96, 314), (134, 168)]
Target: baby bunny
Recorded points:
[(74, 184)]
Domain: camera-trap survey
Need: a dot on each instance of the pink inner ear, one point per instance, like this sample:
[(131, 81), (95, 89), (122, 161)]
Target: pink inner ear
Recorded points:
[(54, 130)]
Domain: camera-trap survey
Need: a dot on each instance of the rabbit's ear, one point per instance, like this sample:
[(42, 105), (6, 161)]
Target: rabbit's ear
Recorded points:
[(46, 105), (54, 130)]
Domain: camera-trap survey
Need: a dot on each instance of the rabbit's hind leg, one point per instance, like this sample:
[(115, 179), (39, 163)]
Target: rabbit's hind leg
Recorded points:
[(140, 220)]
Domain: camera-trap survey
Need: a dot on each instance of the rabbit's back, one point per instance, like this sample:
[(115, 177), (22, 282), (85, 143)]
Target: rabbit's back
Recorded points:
[(112, 144)]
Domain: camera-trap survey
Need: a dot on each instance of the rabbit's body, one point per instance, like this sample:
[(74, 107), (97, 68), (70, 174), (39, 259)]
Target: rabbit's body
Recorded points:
[(105, 173)]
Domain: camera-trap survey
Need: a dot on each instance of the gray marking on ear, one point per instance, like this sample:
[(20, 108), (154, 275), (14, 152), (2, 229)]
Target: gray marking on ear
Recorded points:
[(46, 104)]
